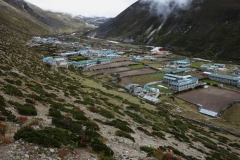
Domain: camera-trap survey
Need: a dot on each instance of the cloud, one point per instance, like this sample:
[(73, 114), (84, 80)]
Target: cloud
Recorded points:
[(164, 8), (107, 8)]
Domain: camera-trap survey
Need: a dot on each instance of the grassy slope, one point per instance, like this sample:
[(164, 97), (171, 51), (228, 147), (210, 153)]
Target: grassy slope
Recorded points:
[(232, 116)]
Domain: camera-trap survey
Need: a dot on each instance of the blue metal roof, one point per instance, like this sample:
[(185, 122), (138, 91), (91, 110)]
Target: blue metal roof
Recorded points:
[(207, 112), (218, 75), (184, 82)]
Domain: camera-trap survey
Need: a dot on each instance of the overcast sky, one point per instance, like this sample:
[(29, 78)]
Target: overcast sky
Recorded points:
[(106, 8)]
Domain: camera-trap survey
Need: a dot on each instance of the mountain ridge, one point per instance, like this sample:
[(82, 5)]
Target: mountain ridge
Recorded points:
[(207, 28), (33, 20)]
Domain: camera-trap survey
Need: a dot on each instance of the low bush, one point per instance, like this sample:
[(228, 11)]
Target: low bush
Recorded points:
[(55, 113), (11, 90), (101, 111), (79, 115), (182, 127), (122, 125), (235, 145), (48, 137), (159, 134), (137, 118), (67, 123), (124, 134), (27, 110), (152, 152), (145, 131), (5, 114), (29, 101)]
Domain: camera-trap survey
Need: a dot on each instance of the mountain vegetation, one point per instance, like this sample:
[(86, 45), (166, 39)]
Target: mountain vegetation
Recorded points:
[(44, 107), (207, 28)]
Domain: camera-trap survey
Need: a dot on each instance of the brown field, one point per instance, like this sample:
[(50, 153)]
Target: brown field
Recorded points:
[(112, 65), (137, 72), (114, 70), (212, 98), (118, 59)]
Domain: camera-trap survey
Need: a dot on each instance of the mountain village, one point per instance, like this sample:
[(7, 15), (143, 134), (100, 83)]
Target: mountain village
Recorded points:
[(174, 75)]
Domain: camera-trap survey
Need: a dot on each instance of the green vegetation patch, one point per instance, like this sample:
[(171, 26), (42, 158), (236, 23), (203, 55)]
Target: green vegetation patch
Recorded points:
[(5, 114), (143, 79), (124, 134), (232, 114), (48, 137), (24, 109), (56, 137), (137, 118), (101, 111), (197, 64), (152, 152), (11, 90), (122, 125)]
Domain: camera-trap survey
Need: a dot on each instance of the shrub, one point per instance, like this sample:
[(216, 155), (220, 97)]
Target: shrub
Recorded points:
[(169, 156), (22, 119), (67, 123), (55, 113), (62, 153), (136, 118), (159, 134), (2, 101), (4, 140), (122, 125), (180, 125), (102, 112), (152, 152), (79, 115), (35, 97), (29, 101), (100, 147), (3, 127), (11, 90), (27, 110), (48, 137), (124, 134), (235, 145), (146, 149)]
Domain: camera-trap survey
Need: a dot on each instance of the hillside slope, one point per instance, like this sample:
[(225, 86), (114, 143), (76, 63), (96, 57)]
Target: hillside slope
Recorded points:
[(57, 113), (30, 19), (208, 28)]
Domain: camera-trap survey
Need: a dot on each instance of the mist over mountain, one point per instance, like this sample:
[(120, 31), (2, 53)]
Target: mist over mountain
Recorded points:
[(163, 8), (206, 28)]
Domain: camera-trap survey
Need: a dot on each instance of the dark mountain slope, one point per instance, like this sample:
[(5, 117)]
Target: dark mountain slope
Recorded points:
[(26, 17), (208, 28)]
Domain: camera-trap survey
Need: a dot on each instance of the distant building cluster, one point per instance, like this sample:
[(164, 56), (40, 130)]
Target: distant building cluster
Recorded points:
[(62, 59), (180, 63), (212, 67), (89, 63), (145, 92)]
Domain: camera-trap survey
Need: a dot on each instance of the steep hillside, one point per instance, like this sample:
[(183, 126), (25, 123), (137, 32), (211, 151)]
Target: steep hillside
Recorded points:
[(30, 19), (208, 28)]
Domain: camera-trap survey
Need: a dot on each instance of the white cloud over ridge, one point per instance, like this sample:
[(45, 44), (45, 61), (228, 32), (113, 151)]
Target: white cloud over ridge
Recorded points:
[(165, 7), (106, 8)]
